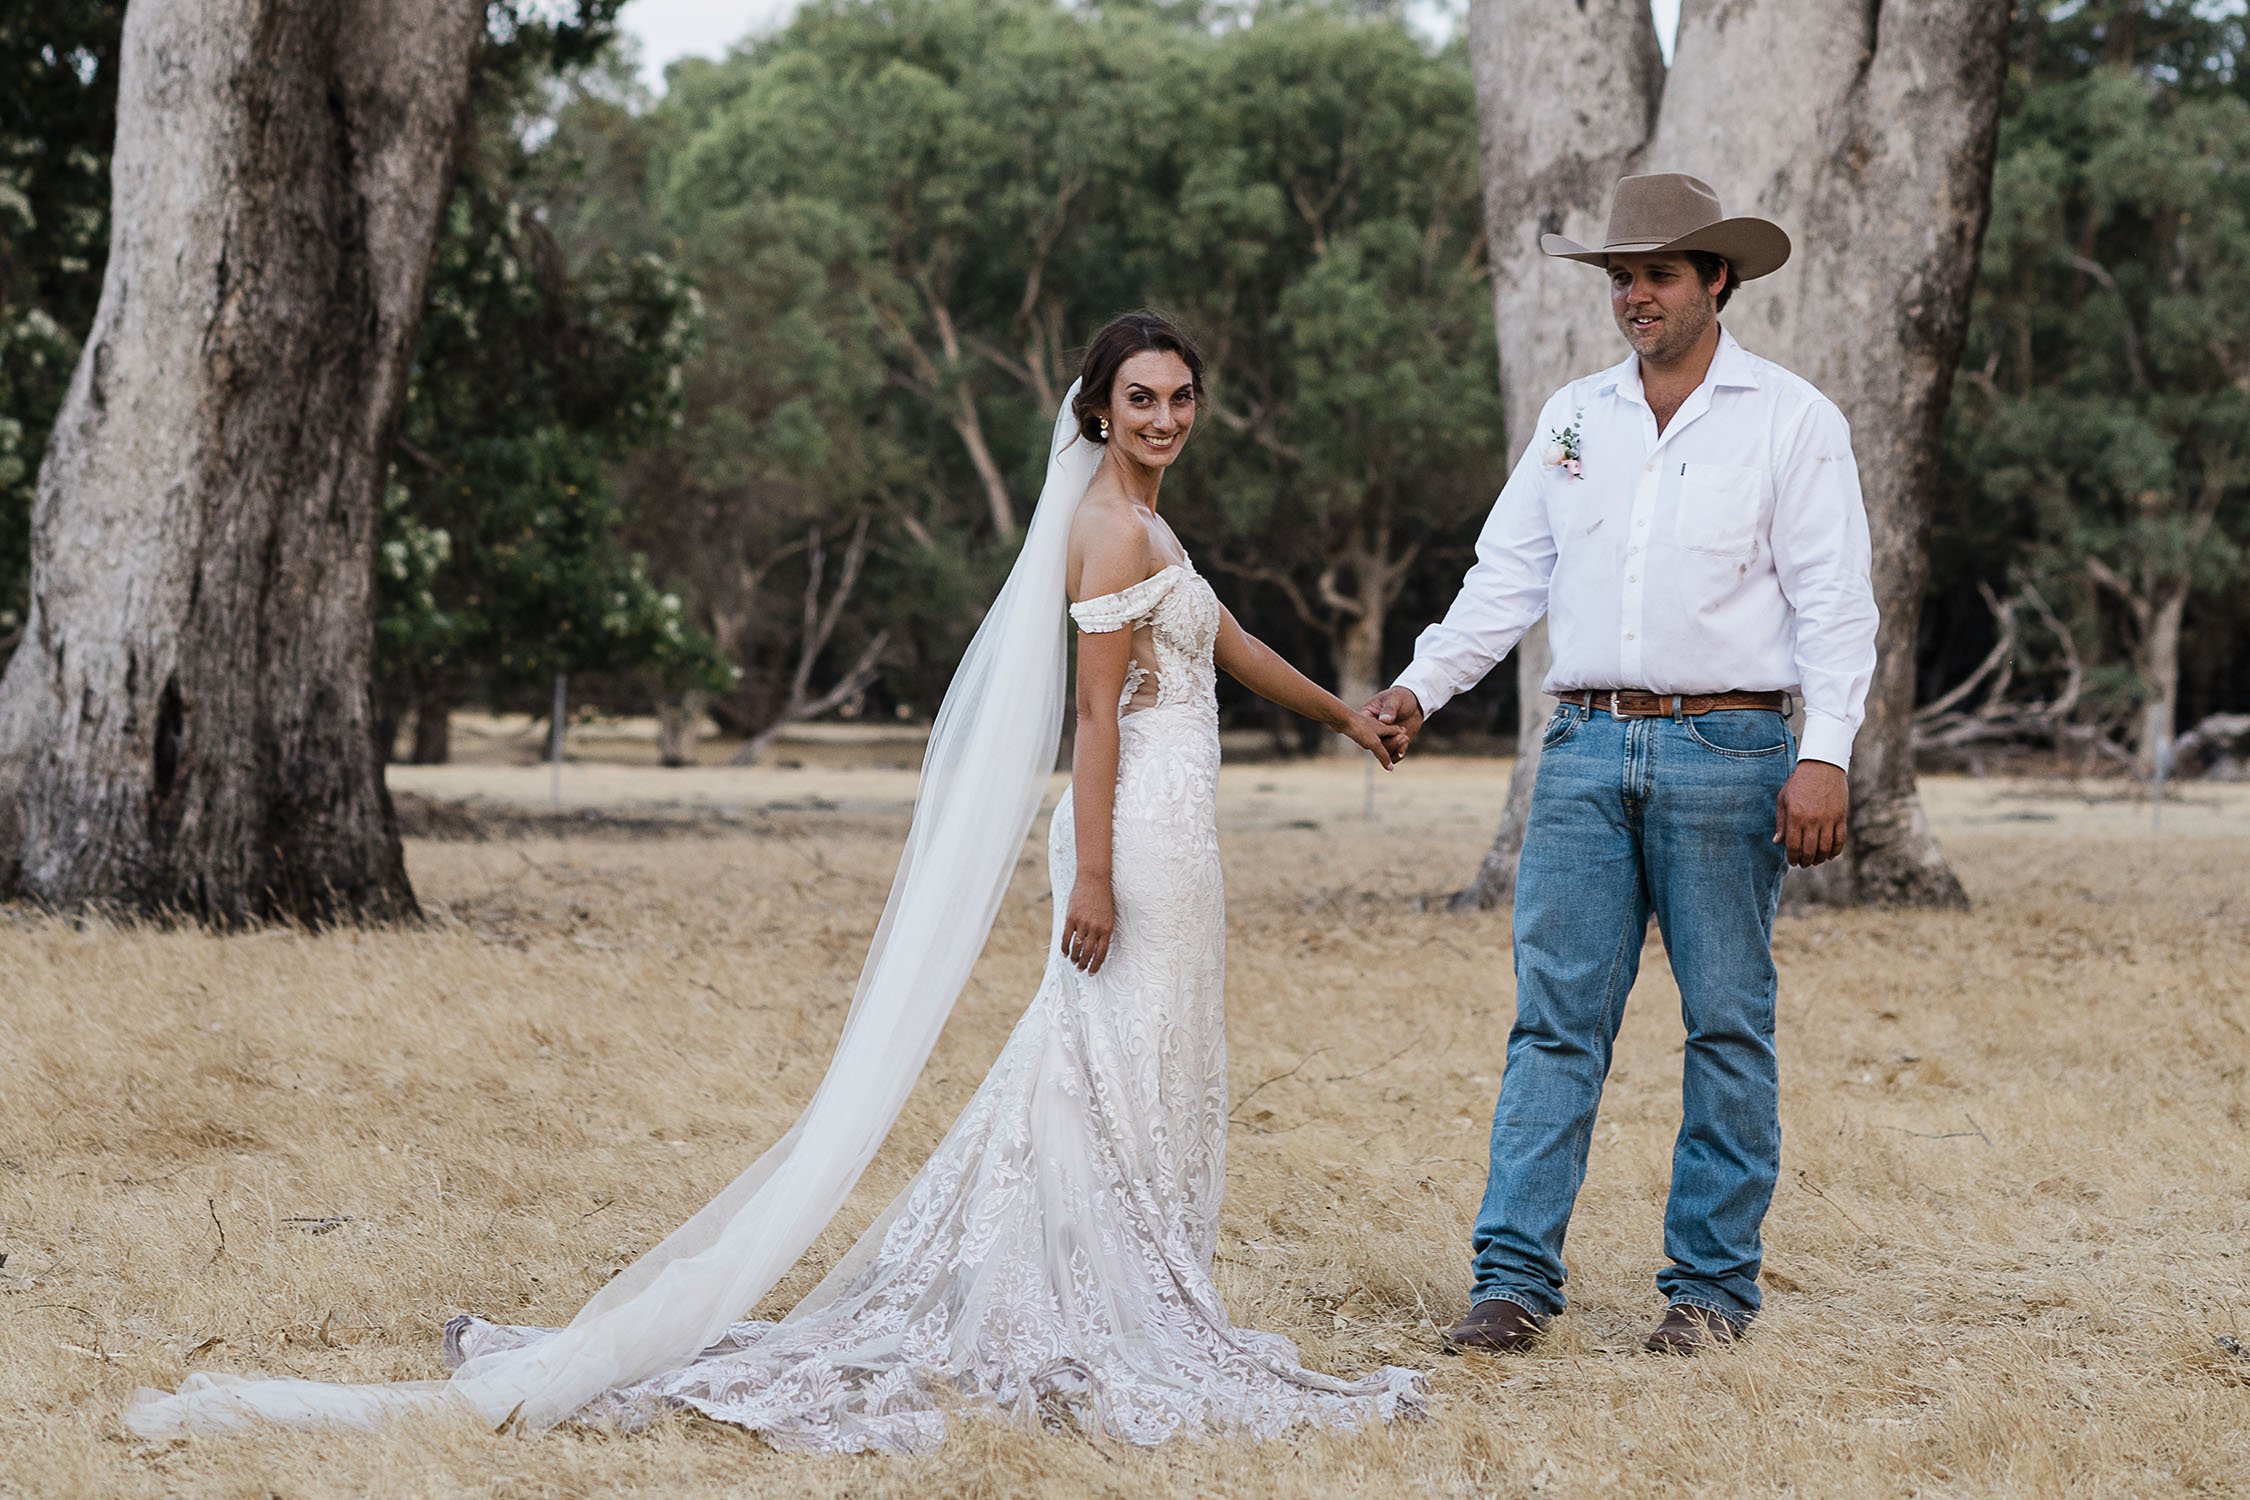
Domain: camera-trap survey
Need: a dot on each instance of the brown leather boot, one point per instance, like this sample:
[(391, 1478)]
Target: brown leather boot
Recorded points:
[(1495, 1326), (1688, 1329)]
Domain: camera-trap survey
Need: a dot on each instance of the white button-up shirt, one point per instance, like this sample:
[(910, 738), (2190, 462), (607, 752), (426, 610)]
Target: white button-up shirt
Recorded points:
[(1729, 553)]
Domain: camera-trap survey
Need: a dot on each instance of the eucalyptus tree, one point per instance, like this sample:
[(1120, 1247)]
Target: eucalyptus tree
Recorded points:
[(957, 163), (1325, 233), (505, 557), (900, 217), (186, 724), (2106, 411)]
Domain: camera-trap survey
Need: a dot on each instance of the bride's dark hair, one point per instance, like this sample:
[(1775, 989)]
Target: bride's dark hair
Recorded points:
[(1120, 339)]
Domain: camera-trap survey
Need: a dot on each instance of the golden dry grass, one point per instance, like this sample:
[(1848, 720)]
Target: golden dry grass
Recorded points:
[(2012, 1229)]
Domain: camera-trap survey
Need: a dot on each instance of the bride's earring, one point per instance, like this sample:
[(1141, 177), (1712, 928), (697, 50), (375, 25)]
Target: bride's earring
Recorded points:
[(1103, 424)]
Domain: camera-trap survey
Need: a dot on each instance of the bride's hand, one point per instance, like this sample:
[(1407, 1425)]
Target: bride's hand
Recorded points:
[(1372, 735), (1088, 923)]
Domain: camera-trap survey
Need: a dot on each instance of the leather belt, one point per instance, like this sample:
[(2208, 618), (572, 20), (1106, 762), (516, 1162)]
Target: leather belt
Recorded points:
[(1639, 703)]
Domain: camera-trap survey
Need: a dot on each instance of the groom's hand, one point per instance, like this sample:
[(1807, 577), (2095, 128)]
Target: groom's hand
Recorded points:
[(1810, 813), (1398, 707)]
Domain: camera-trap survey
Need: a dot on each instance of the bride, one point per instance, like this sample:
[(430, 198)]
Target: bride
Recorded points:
[(1052, 1260)]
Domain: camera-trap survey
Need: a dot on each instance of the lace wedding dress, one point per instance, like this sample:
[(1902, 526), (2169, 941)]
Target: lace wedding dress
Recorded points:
[(1053, 1258)]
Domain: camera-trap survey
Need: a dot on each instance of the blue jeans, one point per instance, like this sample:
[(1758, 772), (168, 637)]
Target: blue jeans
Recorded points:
[(1670, 817)]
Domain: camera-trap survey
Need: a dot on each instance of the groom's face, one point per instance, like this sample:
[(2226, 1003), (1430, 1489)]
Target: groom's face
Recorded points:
[(1660, 303)]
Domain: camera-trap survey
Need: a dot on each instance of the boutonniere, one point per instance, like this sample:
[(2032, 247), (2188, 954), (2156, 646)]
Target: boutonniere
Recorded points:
[(1562, 448)]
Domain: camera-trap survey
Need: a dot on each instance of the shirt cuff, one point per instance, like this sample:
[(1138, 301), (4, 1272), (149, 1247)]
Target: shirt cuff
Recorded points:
[(1427, 686), (1826, 739)]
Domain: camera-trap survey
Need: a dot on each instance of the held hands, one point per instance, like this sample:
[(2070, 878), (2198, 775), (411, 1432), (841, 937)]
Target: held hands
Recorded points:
[(1400, 714), (1386, 742), (1810, 813), (1088, 924)]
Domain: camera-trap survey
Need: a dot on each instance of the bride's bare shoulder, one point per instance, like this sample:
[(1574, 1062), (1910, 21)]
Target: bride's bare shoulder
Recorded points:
[(1109, 546)]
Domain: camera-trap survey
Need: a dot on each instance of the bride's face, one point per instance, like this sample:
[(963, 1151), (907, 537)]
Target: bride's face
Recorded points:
[(1151, 408)]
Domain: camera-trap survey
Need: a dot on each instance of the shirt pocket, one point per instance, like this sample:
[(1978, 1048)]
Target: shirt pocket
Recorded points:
[(1719, 508)]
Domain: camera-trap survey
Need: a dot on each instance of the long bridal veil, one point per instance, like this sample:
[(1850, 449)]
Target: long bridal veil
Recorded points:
[(985, 771)]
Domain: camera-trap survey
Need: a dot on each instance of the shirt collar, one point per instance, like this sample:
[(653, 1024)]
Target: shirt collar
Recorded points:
[(1731, 365)]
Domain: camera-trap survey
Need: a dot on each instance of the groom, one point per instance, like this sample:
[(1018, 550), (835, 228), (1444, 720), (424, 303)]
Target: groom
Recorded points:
[(1689, 520)]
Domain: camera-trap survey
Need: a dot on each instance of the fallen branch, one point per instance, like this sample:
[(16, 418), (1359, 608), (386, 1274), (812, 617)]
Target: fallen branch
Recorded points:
[(1291, 1073)]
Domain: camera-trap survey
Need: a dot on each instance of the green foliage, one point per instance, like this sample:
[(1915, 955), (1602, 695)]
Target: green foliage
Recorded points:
[(2101, 428), (504, 558), (905, 215), (841, 277), (1327, 221), (57, 116)]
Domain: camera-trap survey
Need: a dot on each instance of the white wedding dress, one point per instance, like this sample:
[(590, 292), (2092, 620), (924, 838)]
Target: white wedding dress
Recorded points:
[(1053, 1258)]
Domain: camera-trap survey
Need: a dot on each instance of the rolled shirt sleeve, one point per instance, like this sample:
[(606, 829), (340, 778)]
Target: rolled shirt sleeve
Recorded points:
[(1505, 591), (1824, 564)]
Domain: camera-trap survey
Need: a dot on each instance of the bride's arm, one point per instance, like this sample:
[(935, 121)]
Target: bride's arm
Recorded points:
[(1107, 560), (1261, 669)]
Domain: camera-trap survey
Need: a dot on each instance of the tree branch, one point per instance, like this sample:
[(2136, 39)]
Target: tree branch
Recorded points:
[(1261, 573), (2004, 614), (2101, 274), (2109, 578), (1256, 427), (419, 457)]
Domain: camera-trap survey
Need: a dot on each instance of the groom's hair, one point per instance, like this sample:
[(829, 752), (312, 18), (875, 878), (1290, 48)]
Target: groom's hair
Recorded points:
[(1707, 268), (1120, 339)]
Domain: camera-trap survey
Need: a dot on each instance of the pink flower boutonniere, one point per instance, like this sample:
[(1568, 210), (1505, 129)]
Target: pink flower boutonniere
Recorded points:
[(1562, 449)]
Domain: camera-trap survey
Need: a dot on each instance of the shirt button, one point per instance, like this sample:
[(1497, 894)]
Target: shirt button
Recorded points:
[(1632, 578), (1628, 635), (1649, 467)]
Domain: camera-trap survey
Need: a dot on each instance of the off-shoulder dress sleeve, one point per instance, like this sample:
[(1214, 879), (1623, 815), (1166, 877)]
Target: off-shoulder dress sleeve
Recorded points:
[(1125, 608)]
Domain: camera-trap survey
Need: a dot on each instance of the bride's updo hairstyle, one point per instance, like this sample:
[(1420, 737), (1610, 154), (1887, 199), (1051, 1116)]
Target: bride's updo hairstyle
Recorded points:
[(1121, 339)]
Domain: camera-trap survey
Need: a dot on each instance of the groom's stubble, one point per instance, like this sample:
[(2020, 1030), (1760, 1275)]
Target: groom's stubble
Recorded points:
[(1685, 310)]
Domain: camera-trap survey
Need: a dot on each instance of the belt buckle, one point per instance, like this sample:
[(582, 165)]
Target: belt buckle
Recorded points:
[(1613, 709)]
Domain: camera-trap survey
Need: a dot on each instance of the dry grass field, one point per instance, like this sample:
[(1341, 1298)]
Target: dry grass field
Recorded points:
[(2010, 1254)]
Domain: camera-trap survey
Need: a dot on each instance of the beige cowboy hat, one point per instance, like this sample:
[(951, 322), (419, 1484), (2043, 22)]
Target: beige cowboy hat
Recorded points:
[(1673, 211)]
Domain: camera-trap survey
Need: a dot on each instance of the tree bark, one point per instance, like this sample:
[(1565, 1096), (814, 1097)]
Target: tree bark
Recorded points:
[(1877, 157), (433, 727), (2159, 670), (1355, 617), (679, 724), (187, 728), (1358, 643), (1566, 95)]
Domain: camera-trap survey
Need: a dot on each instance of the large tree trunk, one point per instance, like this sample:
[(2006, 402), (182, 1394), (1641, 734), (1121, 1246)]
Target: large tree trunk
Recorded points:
[(1566, 94), (1877, 157), (433, 728), (187, 727)]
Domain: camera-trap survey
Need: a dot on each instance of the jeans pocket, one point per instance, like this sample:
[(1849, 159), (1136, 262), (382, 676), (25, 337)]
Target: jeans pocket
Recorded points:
[(1559, 725), (1740, 733)]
